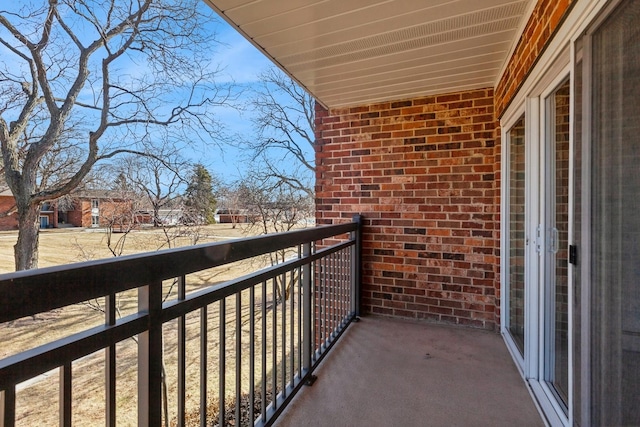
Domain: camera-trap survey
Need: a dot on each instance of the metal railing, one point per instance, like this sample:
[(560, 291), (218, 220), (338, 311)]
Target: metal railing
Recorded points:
[(269, 328)]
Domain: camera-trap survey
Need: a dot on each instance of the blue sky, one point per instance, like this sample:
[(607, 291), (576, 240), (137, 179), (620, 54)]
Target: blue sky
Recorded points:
[(241, 63)]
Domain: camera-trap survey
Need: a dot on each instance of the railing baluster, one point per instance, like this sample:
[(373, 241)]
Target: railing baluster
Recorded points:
[(343, 276), (307, 312), (238, 355), (252, 353), (8, 407), (332, 294), (345, 284), (315, 307), (338, 290), (110, 364), (182, 355), (355, 263), (353, 307), (292, 352), (339, 298), (204, 328), (336, 293), (65, 395), (300, 311), (222, 368), (274, 345), (150, 357), (323, 281), (339, 287), (319, 303), (264, 351), (327, 301), (349, 282), (341, 264), (283, 338), (327, 287)]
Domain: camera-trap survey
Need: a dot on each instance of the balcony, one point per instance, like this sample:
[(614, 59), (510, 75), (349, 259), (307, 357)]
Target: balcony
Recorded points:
[(387, 372), (195, 352)]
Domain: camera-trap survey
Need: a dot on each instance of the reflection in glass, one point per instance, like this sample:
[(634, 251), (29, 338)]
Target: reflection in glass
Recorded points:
[(516, 233)]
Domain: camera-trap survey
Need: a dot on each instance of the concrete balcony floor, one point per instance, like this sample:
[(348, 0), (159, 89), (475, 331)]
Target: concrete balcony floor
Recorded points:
[(387, 372)]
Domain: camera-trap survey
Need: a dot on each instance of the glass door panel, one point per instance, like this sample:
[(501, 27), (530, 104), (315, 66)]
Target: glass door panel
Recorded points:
[(556, 308), (516, 271)]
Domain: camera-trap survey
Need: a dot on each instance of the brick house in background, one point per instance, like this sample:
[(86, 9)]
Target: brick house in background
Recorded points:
[(492, 148), (87, 208), (8, 220), (99, 208)]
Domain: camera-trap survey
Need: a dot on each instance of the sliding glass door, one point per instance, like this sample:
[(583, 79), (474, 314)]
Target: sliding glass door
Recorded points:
[(537, 230), (571, 222), (614, 223)]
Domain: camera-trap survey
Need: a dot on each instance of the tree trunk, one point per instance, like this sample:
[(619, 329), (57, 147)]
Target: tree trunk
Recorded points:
[(26, 248), (156, 215)]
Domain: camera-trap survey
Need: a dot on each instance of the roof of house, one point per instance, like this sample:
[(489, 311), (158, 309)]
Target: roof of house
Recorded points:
[(102, 194)]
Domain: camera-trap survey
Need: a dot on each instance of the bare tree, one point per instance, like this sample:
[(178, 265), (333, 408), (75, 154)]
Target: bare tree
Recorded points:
[(273, 206), (284, 125), (233, 201), (158, 179), (86, 80)]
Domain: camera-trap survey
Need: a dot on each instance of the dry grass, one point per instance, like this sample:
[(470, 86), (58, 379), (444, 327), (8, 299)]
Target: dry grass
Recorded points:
[(67, 245), (37, 400)]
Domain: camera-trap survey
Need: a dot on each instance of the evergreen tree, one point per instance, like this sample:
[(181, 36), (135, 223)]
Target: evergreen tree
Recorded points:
[(199, 198)]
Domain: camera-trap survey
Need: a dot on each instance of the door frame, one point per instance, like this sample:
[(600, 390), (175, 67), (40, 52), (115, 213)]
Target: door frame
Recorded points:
[(505, 193)]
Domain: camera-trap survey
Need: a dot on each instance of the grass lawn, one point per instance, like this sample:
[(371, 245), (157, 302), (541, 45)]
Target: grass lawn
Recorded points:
[(67, 245)]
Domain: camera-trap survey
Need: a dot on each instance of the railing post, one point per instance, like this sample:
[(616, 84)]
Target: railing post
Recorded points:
[(110, 364), (307, 312), (356, 266), (8, 407), (65, 394), (2, 409), (150, 357), (182, 355)]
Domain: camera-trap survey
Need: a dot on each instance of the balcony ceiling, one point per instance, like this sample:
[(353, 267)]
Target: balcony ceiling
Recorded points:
[(352, 52)]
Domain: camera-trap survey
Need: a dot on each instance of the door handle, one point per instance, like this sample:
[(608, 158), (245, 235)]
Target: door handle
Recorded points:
[(553, 244)]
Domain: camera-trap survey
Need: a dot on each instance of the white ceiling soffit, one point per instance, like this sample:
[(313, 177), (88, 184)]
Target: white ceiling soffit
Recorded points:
[(353, 52)]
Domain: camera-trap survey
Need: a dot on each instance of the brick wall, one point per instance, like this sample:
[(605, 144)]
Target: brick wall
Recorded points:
[(74, 217), (80, 216), (544, 21), (115, 212), (423, 174), (8, 222)]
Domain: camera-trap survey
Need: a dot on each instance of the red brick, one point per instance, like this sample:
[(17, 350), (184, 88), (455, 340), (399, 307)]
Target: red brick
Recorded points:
[(419, 191)]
